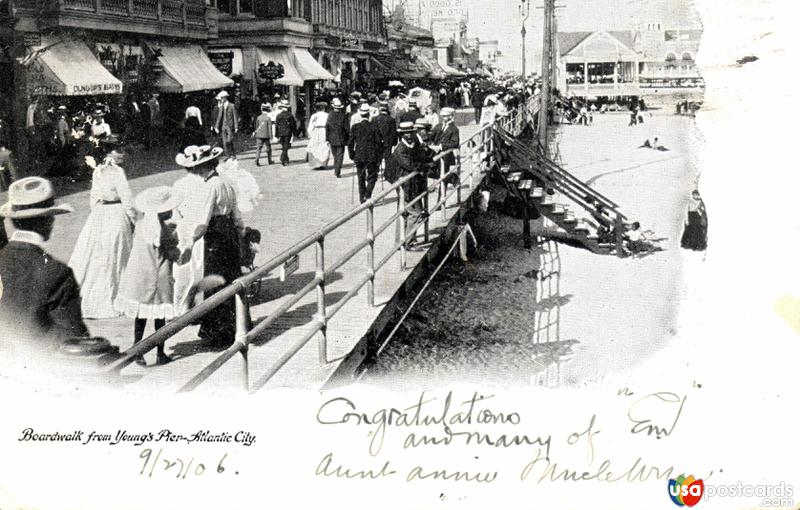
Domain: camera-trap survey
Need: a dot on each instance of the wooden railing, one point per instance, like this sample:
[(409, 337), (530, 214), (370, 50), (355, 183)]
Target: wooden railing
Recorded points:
[(471, 157)]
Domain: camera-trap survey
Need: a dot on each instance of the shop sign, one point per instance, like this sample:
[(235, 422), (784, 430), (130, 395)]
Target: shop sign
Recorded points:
[(32, 39), (270, 71), (223, 61), (132, 67), (351, 42), (96, 88)]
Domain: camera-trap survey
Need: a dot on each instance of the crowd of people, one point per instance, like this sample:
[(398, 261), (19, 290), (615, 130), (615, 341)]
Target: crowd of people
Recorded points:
[(153, 256)]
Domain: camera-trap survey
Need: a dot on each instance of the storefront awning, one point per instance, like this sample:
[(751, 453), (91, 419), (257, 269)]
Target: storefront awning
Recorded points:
[(435, 70), (298, 65), (451, 71), (291, 76), (187, 69), (309, 68), (68, 68)]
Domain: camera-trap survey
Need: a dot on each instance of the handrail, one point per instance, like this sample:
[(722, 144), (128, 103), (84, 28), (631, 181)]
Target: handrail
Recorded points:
[(480, 142), (566, 177)]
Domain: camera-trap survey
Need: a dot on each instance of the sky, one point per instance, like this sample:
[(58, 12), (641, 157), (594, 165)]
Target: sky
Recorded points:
[(500, 20)]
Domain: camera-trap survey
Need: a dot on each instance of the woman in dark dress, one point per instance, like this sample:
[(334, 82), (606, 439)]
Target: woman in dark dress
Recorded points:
[(695, 234)]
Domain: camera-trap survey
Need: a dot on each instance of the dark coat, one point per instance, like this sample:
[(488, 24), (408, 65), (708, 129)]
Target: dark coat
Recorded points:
[(40, 295), (366, 141), (388, 129), (285, 124), (337, 129), (448, 138), (263, 126), (477, 98), (410, 116)]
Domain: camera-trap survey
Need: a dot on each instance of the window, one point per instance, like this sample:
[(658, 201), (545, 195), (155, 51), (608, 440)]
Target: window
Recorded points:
[(224, 6), (246, 6)]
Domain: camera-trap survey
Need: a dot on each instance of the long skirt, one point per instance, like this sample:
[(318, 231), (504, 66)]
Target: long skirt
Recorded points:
[(318, 149), (696, 232), (99, 258), (187, 276), (222, 257)]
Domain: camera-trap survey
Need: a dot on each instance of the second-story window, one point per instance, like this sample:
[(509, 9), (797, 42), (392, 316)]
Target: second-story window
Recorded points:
[(224, 6), (245, 6)]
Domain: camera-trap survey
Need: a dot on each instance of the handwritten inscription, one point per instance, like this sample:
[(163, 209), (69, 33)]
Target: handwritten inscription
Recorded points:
[(479, 422), (160, 462), (242, 437)]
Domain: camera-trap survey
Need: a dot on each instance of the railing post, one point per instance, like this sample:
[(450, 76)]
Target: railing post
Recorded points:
[(320, 274), (619, 238), (402, 221), (427, 211), (371, 254), (458, 174), (442, 190), (242, 327)]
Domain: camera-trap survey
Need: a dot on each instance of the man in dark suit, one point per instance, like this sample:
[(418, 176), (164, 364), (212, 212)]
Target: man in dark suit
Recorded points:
[(285, 128), (40, 297), (478, 96), (444, 137), (8, 172), (407, 158), (367, 150), (263, 134), (227, 122), (337, 132), (412, 114), (388, 129)]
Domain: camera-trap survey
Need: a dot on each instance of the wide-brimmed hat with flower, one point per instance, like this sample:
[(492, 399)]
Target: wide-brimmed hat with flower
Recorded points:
[(158, 199), (194, 155), (32, 197)]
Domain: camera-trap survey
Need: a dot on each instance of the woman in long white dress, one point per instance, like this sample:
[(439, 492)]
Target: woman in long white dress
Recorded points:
[(104, 244), (318, 149), (189, 274)]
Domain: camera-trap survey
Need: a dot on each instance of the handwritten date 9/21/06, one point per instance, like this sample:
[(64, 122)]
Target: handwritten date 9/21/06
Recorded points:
[(158, 462)]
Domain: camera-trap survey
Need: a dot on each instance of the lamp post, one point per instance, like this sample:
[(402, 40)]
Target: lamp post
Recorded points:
[(524, 11)]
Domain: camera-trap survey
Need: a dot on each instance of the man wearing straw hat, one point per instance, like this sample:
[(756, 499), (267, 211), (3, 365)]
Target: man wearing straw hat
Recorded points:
[(40, 296), (337, 131), (285, 128), (367, 146), (227, 122), (406, 158)]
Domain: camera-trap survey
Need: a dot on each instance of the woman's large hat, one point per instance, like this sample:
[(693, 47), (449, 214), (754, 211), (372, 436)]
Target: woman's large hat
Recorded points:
[(158, 199), (194, 155), (32, 197)]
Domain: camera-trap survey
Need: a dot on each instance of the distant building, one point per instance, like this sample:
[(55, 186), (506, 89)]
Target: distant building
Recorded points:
[(489, 53), (651, 60)]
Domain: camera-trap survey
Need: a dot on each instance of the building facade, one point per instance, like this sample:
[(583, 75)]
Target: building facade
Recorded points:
[(489, 53), (649, 61), (79, 53)]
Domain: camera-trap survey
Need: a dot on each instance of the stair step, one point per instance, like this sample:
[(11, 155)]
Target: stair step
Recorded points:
[(581, 228), (514, 177), (525, 184), (559, 209), (505, 169), (537, 193), (569, 219)]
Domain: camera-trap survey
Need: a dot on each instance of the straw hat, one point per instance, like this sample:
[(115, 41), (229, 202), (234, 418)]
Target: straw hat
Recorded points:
[(158, 199), (405, 127), (284, 103), (447, 112), (222, 95), (421, 123), (194, 155), (32, 197), (364, 108), (336, 103)]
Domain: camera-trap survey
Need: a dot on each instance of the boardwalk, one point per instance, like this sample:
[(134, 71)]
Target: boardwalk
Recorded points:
[(296, 202)]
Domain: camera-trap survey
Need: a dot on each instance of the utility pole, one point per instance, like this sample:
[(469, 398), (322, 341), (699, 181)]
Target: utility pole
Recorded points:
[(524, 11), (547, 60)]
